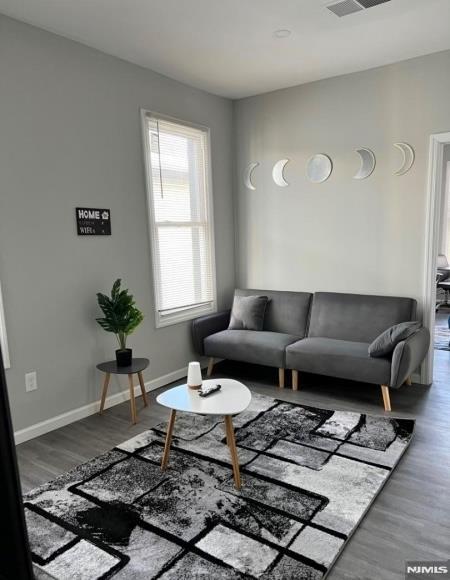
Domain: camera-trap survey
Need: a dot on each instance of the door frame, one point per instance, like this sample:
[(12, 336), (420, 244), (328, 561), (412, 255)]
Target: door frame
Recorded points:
[(434, 200), (3, 335), (15, 555)]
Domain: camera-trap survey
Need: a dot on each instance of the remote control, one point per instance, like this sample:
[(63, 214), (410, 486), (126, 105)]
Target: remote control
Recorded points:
[(205, 391)]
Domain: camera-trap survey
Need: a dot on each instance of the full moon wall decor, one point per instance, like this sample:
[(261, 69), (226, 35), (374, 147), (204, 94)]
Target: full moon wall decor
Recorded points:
[(277, 173), (367, 163), (408, 158), (319, 168), (248, 172)]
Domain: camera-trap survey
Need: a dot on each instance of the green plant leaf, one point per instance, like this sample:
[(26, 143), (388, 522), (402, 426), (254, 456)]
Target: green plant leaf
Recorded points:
[(120, 314)]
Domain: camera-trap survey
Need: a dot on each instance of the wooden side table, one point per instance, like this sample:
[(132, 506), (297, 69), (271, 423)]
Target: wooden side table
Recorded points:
[(136, 367)]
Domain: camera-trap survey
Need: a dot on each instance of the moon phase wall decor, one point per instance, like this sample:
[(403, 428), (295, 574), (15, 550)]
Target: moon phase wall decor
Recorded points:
[(319, 168), (367, 163), (408, 158), (248, 172), (277, 173)]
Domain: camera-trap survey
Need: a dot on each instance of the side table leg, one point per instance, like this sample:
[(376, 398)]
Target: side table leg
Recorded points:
[(165, 457), (105, 391), (233, 451), (141, 382), (132, 401)]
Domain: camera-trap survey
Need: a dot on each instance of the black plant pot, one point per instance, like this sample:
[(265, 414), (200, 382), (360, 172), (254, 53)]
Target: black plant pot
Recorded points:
[(124, 357)]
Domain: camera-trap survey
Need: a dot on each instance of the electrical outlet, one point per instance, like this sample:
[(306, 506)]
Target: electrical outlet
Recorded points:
[(31, 381)]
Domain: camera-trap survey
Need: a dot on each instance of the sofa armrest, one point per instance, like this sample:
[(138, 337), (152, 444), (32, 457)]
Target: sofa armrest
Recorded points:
[(408, 356), (207, 325)]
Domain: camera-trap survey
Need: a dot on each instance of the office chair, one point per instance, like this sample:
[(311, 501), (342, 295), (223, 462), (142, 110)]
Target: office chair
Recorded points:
[(439, 277)]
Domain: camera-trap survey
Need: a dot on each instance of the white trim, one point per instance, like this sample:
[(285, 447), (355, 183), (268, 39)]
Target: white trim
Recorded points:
[(69, 417), (189, 314), (434, 199), (93, 408), (3, 335), (416, 378), (445, 223), (185, 314)]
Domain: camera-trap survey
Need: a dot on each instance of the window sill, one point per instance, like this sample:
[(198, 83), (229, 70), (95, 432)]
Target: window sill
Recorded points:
[(184, 316)]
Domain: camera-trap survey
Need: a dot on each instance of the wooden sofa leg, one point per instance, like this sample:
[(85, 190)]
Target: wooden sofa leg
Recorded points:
[(294, 380), (281, 378), (210, 366), (386, 397), (408, 381)]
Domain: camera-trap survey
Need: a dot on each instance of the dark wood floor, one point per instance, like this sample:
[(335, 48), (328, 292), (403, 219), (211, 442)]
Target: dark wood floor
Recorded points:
[(410, 519)]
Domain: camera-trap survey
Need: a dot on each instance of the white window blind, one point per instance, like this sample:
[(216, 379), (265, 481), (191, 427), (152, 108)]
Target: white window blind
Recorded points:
[(180, 210)]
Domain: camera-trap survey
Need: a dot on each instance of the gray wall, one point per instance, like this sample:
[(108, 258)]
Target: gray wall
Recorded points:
[(342, 235), (70, 136)]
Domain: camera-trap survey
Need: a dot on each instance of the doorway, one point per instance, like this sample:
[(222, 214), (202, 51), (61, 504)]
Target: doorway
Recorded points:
[(437, 242)]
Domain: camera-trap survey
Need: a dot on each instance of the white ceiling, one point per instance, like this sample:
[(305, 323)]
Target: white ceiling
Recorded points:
[(227, 47)]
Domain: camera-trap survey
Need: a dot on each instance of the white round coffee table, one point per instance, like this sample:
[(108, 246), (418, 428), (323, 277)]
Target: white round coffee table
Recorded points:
[(233, 398)]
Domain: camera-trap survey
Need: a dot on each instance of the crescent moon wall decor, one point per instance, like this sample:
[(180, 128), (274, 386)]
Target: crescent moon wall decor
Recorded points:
[(408, 158), (368, 163), (277, 173), (319, 168), (248, 172)]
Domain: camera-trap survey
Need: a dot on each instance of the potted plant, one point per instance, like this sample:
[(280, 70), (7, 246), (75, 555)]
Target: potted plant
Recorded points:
[(120, 317)]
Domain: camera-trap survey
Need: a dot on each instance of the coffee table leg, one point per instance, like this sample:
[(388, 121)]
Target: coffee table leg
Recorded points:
[(226, 433), (105, 391), (233, 451), (165, 457), (132, 401), (141, 382)]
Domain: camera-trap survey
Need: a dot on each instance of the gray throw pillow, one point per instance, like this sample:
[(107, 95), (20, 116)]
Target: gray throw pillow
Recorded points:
[(248, 312), (385, 343)]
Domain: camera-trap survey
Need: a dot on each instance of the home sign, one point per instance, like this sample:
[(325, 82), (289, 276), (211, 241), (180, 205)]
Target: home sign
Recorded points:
[(93, 222)]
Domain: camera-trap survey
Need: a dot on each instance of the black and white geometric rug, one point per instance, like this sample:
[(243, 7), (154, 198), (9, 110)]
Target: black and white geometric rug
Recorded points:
[(309, 475)]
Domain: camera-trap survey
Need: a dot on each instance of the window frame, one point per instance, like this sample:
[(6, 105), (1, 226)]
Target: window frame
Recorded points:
[(190, 312), (3, 335)]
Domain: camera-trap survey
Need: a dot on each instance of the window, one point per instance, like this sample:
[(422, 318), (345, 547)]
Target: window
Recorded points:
[(3, 338), (181, 220)]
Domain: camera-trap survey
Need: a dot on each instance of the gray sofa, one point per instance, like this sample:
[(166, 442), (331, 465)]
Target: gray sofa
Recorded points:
[(324, 333)]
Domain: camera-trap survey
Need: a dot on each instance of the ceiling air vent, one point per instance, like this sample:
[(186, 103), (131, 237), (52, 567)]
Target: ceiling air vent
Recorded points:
[(370, 3), (345, 8)]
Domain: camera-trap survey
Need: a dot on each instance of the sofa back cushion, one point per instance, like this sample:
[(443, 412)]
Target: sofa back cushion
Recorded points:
[(247, 312), (357, 317), (286, 312)]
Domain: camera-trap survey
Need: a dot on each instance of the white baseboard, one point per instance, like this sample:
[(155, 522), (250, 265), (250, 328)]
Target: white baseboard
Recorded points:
[(416, 378), (92, 408)]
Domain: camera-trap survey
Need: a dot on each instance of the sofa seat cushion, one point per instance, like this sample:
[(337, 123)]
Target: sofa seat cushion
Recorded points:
[(338, 358), (253, 346)]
